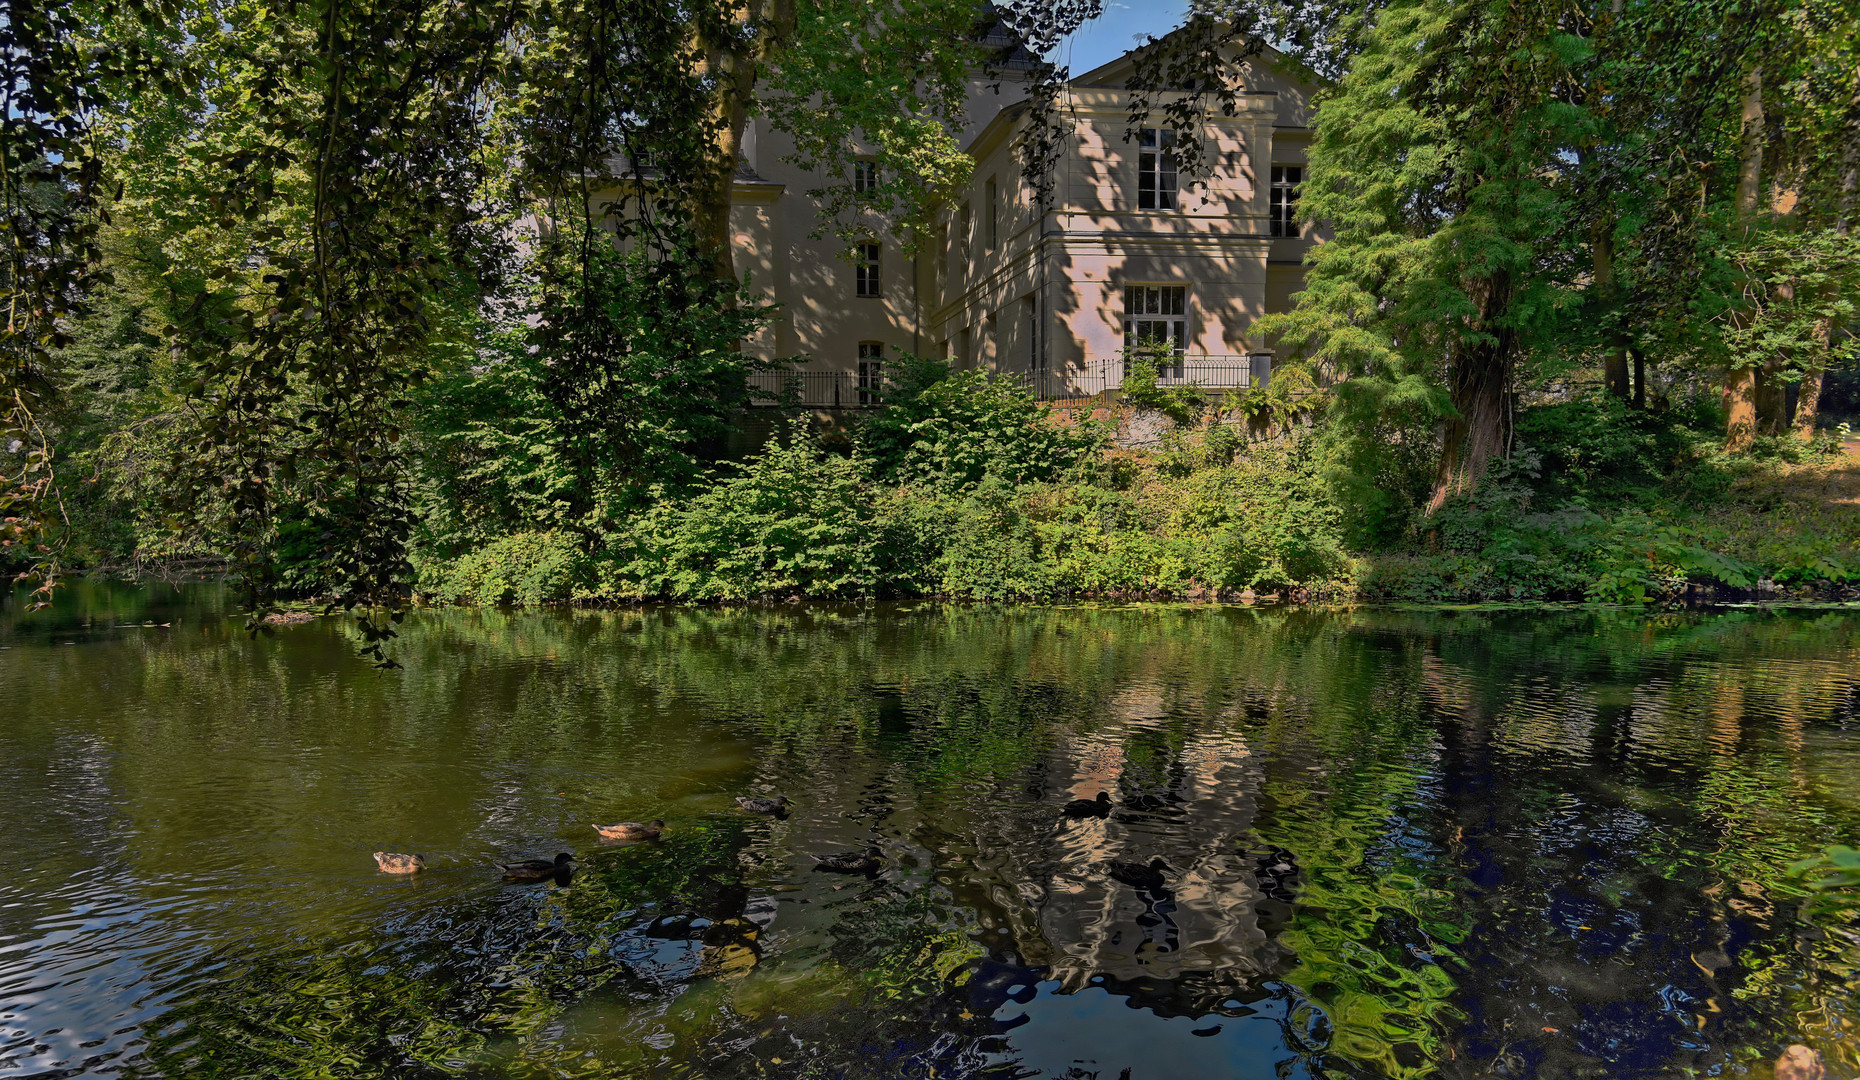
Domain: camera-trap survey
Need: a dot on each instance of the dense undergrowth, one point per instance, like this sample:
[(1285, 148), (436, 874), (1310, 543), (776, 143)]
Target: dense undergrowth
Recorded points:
[(963, 487)]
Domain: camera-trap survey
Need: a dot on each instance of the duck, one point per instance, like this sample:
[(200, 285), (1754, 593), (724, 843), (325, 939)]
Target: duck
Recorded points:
[(1100, 807), (757, 805), (632, 830), (1138, 876), (394, 863), (537, 869), (852, 862)]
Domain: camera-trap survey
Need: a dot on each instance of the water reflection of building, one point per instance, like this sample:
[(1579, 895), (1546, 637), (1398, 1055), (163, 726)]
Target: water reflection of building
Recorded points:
[(1198, 936)]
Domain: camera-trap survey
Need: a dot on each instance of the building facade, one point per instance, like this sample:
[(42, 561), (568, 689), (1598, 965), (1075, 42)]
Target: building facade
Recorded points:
[(1128, 252)]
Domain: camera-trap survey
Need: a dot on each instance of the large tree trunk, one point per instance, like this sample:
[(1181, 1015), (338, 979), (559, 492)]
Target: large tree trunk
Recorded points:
[(1807, 404), (736, 61), (1740, 385), (1479, 381), (1615, 361)]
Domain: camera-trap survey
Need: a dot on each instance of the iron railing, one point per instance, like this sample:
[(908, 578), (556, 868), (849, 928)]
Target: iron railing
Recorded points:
[(817, 389), (810, 389)]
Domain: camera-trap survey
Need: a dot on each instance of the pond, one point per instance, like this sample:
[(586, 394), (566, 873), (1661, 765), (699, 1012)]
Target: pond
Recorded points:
[(1369, 843)]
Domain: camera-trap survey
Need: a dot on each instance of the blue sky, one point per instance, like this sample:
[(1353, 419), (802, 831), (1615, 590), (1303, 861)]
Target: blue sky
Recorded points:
[(1114, 32)]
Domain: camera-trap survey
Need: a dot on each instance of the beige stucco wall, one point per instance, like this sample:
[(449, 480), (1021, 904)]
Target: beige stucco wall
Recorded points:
[(1050, 287), (1079, 258)]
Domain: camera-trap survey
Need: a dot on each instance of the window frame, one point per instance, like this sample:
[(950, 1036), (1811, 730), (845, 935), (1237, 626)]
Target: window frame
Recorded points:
[(1156, 164), (1282, 201), (869, 373), (1149, 305), (865, 179), (867, 282)]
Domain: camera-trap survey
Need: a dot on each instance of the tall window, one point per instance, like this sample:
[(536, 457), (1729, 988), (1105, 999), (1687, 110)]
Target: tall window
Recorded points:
[(871, 374), (1156, 181), (994, 214), (1157, 315), (865, 265), (865, 177), (965, 226), (1284, 210)]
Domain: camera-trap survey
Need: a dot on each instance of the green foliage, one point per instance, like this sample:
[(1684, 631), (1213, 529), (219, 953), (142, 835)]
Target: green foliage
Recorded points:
[(1836, 868), (1598, 449), (523, 568), (1797, 286), (947, 432), (632, 373), (1640, 558), (793, 519), (1183, 404)]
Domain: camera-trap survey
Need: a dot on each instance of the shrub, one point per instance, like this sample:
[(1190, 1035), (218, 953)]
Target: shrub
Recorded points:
[(794, 519), (992, 549), (946, 432), (523, 568)]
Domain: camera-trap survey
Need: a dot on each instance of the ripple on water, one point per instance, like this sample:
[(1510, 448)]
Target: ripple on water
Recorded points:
[(1361, 844)]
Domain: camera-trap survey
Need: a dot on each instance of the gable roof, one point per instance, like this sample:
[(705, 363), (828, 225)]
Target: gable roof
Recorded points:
[(1117, 73)]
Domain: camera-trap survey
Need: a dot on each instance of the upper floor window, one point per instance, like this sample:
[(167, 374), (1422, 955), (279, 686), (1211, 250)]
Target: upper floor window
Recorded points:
[(1284, 208), (871, 373), (993, 220), (1157, 316), (865, 177), (865, 267), (1156, 180)]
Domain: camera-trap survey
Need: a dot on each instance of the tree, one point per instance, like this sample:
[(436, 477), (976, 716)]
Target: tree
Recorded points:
[(324, 191)]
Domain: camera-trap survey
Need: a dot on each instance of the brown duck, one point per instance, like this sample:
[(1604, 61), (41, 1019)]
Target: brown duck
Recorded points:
[(392, 863), (632, 830)]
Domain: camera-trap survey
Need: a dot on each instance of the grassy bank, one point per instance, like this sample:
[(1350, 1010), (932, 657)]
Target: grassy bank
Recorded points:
[(964, 489)]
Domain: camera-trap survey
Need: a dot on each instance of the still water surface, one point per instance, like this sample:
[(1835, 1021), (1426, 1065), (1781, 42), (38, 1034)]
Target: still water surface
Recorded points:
[(1392, 843)]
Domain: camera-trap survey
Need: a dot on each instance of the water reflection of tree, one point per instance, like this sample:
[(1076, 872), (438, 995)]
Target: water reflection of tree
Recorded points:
[(1455, 798)]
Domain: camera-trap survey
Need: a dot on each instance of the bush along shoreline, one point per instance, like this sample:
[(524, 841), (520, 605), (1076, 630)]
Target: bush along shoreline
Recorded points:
[(964, 488)]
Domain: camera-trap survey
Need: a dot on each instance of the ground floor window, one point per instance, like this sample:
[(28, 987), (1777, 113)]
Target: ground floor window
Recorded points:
[(871, 374), (1157, 315)]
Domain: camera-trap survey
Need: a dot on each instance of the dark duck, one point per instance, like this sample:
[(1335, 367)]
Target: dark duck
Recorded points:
[(538, 869), (757, 805), (1080, 809), (852, 862)]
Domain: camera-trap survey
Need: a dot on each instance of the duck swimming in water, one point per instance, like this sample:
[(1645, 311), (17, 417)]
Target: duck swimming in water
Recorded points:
[(1138, 876), (1080, 809), (852, 862), (537, 869), (632, 830), (757, 805), (392, 863)]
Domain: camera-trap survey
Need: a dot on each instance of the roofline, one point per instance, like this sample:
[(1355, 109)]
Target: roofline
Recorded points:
[(1275, 55)]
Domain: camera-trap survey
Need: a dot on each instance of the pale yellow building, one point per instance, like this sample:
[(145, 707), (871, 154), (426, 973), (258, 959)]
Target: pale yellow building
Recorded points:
[(1129, 250)]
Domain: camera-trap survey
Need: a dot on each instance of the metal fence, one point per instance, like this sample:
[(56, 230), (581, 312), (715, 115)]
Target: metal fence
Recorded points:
[(803, 388)]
